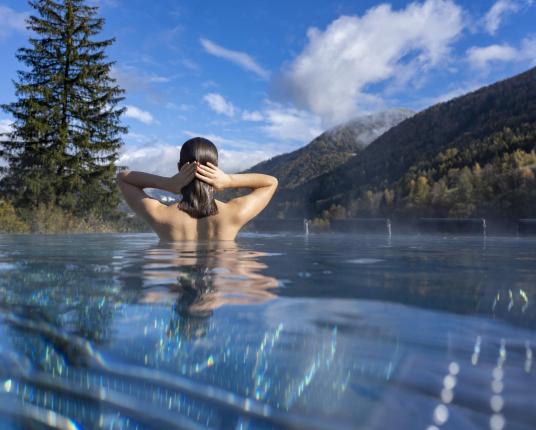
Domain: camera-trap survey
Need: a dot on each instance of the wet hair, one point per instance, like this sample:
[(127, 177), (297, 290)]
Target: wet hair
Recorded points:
[(198, 196)]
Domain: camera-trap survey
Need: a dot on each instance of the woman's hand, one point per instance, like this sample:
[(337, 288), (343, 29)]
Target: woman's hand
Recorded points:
[(212, 175), (180, 180)]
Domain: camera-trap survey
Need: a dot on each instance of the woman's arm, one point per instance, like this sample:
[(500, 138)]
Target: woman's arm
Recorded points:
[(251, 180), (173, 184), (132, 184), (220, 180)]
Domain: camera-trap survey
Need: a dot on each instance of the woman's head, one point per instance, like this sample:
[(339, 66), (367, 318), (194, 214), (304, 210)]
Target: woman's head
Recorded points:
[(198, 196)]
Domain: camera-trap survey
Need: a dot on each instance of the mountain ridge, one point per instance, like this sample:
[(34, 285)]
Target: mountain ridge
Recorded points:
[(477, 128), (330, 149)]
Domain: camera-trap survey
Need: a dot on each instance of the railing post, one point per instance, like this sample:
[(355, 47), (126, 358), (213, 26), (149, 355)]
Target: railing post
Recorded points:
[(306, 226)]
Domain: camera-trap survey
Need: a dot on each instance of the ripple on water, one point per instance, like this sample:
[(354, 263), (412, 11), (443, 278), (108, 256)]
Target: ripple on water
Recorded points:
[(130, 333), (6, 266), (365, 260)]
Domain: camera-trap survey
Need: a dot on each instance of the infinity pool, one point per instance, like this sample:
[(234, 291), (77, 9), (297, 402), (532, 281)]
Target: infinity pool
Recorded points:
[(275, 331)]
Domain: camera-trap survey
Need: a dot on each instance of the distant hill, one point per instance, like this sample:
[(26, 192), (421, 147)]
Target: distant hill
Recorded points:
[(471, 156), (327, 151), (331, 149)]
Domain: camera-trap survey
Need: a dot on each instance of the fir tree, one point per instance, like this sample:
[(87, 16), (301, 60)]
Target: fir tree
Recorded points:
[(67, 131)]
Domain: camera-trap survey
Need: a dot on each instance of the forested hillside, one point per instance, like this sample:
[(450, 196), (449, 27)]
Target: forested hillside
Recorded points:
[(331, 149), (471, 156)]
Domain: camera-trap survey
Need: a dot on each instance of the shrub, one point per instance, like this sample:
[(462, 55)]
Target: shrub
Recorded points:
[(10, 221)]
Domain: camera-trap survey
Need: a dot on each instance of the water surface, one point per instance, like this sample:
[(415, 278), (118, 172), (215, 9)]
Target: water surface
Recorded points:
[(274, 331)]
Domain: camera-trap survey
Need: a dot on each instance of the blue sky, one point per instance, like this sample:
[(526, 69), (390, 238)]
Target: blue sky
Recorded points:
[(261, 78)]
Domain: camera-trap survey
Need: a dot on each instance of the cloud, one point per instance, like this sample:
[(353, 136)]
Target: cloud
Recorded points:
[(153, 155), (502, 8), (237, 161), (330, 76), (235, 144), (253, 116), (132, 79), (11, 20), (219, 105), (481, 58), (139, 115), (284, 123), (136, 81), (236, 155), (6, 126), (159, 159), (190, 64), (289, 123), (241, 58)]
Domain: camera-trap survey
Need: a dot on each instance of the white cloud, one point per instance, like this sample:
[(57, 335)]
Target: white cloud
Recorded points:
[(482, 57), (235, 144), (528, 50), (288, 123), (159, 159), (236, 155), (330, 76), (152, 155), (139, 115), (499, 10), (241, 58), (219, 105), (6, 126), (190, 64), (162, 159), (133, 79), (209, 84), (11, 20), (237, 161), (253, 116), (184, 107), (284, 123)]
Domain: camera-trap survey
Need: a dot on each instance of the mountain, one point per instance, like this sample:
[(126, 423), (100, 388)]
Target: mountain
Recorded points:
[(470, 156), (322, 154), (331, 149)]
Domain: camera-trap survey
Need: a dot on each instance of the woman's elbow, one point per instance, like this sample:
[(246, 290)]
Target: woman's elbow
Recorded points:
[(121, 175), (273, 181)]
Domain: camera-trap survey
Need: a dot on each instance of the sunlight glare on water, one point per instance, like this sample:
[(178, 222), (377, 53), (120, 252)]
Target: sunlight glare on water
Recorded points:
[(325, 331)]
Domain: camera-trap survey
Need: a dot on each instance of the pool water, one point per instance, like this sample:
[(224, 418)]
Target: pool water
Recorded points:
[(273, 331)]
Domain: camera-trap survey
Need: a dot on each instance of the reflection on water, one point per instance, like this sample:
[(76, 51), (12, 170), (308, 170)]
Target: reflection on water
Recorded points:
[(121, 332)]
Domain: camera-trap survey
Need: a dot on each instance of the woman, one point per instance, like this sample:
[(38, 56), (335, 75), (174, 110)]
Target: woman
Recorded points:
[(198, 215)]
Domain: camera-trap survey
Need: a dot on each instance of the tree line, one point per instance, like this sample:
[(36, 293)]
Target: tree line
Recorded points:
[(60, 156), (472, 156)]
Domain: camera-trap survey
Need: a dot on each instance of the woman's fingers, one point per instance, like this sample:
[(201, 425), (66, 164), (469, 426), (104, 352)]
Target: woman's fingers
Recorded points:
[(202, 166), (188, 167), (206, 171), (204, 178)]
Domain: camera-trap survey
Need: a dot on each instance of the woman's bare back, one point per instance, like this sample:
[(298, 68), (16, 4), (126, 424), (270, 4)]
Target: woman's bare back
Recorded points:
[(176, 225), (173, 224)]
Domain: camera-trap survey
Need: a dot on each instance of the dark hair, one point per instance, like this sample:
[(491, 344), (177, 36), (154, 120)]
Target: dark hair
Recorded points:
[(198, 196)]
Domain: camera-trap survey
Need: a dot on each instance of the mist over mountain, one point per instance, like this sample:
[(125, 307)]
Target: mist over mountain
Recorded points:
[(471, 156), (331, 149), (327, 151)]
